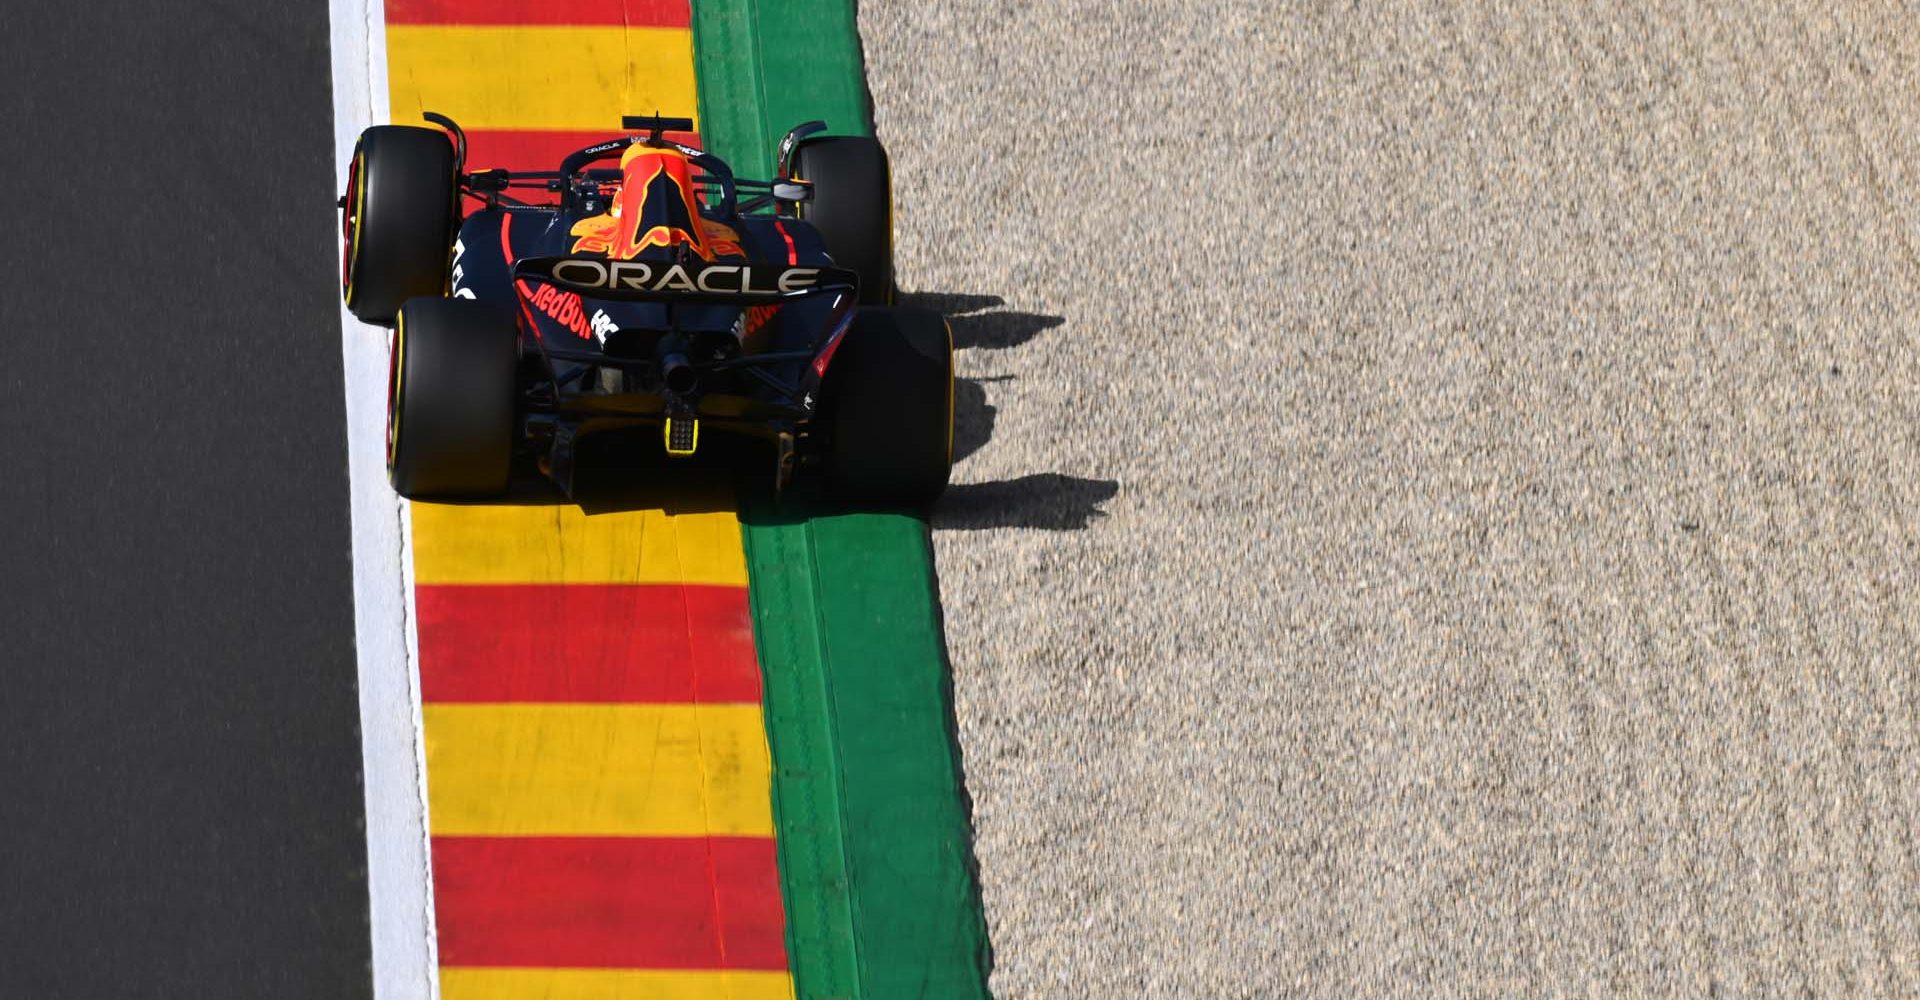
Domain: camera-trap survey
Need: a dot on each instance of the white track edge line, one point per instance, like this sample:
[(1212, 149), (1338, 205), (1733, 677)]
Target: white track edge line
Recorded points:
[(399, 887)]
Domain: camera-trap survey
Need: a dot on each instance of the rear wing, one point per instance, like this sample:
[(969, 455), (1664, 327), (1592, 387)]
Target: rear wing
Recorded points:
[(744, 283)]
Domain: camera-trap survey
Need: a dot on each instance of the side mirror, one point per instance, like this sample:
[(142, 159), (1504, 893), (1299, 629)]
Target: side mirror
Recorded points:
[(783, 158)]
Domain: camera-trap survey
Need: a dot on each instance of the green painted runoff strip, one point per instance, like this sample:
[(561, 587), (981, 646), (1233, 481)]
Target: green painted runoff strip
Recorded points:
[(798, 707), (882, 902), (764, 66), (847, 621)]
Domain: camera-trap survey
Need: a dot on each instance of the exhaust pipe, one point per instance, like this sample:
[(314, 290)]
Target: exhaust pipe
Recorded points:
[(676, 372)]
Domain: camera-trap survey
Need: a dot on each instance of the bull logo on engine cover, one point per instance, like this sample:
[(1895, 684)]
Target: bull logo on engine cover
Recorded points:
[(657, 206)]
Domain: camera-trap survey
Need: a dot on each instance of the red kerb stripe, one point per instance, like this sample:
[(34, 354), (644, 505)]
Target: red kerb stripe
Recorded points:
[(585, 643), (541, 150), (609, 902), (634, 13)]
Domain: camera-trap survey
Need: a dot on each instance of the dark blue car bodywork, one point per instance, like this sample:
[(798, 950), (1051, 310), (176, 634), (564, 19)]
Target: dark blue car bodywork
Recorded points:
[(734, 363)]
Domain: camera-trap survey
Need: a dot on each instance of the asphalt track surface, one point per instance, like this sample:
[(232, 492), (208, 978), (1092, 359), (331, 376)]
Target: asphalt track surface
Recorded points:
[(1480, 447), (179, 752)]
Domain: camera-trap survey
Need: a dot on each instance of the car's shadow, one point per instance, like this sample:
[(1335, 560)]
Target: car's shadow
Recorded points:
[(626, 470), (978, 322), (1043, 500)]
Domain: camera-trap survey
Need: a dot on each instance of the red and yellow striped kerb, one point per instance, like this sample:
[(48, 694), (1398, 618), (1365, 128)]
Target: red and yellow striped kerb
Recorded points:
[(597, 768)]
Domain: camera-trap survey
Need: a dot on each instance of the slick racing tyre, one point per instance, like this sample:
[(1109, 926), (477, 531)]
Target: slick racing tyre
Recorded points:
[(888, 405), (397, 219), (852, 207), (450, 398)]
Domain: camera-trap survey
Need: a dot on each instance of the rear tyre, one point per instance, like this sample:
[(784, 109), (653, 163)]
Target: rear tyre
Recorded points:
[(888, 406), (450, 398), (852, 207), (398, 220)]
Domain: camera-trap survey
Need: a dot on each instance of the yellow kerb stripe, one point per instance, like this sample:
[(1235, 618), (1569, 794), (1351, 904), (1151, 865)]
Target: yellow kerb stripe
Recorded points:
[(597, 770), (560, 543), (569, 78), (611, 984)]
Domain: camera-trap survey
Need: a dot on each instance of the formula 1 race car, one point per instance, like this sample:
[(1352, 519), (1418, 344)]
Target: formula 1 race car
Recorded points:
[(665, 293)]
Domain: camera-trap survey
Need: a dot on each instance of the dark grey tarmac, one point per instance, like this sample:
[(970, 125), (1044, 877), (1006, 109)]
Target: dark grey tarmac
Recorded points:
[(179, 750)]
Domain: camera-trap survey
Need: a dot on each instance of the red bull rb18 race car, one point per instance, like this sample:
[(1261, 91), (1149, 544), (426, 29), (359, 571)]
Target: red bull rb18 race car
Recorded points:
[(642, 285)]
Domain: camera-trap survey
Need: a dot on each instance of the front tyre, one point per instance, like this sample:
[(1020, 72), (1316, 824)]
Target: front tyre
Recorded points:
[(851, 207), (450, 398), (888, 405), (398, 219)]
